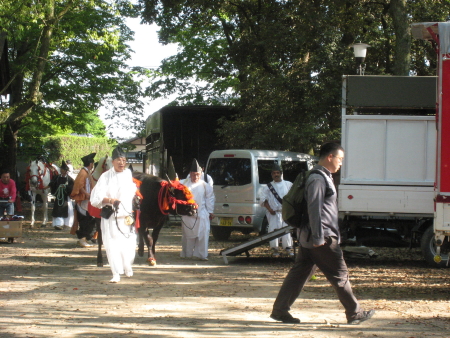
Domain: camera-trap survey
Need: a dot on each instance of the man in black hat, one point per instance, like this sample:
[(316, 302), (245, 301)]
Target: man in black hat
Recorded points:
[(271, 197), (84, 224), (61, 187), (208, 179)]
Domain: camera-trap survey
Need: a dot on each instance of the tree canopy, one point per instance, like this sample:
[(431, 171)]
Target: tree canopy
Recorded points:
[(281, 62), (67, 58)]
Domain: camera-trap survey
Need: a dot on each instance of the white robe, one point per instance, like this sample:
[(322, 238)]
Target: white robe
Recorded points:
[(276, 221), (120, 245), (68, 221), (195, 238)]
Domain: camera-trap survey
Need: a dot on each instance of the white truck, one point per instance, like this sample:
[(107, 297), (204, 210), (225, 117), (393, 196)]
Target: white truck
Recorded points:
[(395, 180)]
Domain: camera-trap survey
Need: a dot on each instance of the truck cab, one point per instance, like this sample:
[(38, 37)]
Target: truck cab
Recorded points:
[(239, 176)]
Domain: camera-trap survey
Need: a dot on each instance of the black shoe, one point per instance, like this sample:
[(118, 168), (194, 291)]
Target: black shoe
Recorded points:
[(286, 318), (365, 315)]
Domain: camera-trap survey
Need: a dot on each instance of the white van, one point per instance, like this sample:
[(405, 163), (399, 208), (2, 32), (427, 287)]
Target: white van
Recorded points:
[(239, 176)]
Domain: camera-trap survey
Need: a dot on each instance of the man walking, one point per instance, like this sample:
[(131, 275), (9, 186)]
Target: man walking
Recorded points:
[(272, 198), (319, 246)]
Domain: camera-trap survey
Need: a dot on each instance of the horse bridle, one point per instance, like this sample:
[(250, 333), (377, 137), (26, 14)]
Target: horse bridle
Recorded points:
[(39, 176)]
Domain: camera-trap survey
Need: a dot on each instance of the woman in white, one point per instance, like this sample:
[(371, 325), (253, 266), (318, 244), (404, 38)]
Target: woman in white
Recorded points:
[(115, 187)]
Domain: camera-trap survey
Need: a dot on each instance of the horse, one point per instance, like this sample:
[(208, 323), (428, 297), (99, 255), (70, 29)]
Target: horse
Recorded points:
[(157, 198), (38, 176)]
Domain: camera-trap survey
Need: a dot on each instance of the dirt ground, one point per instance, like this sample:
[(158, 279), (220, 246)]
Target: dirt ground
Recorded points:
[(49, 287)]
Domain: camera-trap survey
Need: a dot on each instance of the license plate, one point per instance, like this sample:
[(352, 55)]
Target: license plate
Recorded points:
[(226, 221)]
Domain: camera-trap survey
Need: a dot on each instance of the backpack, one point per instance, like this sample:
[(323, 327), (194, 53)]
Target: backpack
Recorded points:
[(294, 208)]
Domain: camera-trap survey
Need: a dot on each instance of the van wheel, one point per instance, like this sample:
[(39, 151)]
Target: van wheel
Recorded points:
[(428, 246), (264, 227), (221, 233)]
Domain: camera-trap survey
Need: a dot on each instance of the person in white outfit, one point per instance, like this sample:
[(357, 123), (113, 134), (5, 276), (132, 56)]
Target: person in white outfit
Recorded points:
[(195, 237), (208, 179), (271, 197), (116, 188)]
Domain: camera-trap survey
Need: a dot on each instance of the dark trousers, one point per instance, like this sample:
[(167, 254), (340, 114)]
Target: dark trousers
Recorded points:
[(86, 225), (330, 260)]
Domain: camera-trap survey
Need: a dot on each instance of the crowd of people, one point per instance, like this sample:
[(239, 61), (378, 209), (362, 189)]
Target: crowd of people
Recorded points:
[(114, 191)]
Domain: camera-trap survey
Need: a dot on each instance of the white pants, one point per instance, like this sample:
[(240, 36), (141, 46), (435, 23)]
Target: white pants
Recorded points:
[(195, 238), (68, 221), (276, 222), (120, 245)]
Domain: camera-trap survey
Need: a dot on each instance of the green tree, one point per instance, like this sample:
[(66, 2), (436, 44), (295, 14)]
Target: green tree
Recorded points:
[(281, 62), (67, 58)]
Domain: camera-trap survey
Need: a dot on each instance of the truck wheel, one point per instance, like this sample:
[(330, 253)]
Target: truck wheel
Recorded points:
[(264, 227), (221, 233), (428, 247)]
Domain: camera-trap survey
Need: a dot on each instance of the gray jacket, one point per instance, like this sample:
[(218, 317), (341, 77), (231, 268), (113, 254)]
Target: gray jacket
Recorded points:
[(322, 209)]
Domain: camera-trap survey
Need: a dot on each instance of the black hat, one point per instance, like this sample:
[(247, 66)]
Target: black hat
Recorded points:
[(276, 167), (64, 166), (118, 152), (195, 167), (88, 159)]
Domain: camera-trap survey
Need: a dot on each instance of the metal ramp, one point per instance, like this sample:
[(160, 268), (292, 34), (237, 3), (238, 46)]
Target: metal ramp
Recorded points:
[(253, 243)]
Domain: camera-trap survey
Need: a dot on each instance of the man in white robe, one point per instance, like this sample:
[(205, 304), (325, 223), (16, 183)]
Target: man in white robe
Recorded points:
[(116, 188), (195, 237), (272, 202)]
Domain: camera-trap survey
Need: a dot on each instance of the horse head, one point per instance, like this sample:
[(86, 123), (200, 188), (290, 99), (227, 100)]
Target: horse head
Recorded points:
[(39, 174), (35, 172), (104, 164), (181, 200)]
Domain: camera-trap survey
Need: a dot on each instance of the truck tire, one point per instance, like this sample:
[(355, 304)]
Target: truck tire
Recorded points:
[(264, 227), (221, 233), (428, 247)]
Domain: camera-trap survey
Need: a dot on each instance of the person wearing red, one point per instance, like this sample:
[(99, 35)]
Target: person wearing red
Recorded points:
[(7, 193)]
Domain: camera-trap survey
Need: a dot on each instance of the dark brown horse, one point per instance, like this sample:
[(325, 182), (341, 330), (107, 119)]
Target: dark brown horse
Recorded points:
[(158, 199)]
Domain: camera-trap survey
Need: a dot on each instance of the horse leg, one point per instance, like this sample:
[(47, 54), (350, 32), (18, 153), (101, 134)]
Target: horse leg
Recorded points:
[(33, 208), (141, 233), (151, 257), (99, 242), (45, 205), (153, 239), (155, 235)]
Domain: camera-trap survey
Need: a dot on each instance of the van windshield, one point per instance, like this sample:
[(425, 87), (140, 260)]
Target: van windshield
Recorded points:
[(290, 170), (230, 171)]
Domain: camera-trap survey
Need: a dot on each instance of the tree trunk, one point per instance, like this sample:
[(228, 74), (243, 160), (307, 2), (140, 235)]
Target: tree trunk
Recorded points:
[(23, 105), (9, 156), (402, 48)]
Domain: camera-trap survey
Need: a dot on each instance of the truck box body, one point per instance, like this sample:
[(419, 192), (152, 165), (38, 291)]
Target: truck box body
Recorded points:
[(390, 146), (182, 134)]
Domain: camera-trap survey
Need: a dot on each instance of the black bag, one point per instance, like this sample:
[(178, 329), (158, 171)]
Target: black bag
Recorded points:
[(107, 211)]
